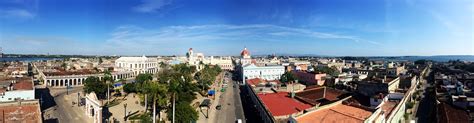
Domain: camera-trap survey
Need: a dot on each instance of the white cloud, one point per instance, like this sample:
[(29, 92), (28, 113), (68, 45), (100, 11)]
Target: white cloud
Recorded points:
[(149, 6), (46, 44), (142, 40), (17, 13)]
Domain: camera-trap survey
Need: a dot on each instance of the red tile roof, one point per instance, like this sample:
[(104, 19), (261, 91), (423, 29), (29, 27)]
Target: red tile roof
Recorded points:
[(388, 107), (254, 81), (23, 85), (313, 96), (449, 114), (257, 81), (61, 72), (339, 113), (24, 113), (280, 104)]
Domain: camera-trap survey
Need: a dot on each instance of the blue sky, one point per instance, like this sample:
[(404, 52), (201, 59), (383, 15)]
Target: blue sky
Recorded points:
[(224, 27)]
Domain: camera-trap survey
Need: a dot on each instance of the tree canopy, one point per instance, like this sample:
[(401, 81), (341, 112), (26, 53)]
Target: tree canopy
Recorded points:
[(207, 76), (143, 77), (94, 84), (287, 77), (185, 113), (328, 70)]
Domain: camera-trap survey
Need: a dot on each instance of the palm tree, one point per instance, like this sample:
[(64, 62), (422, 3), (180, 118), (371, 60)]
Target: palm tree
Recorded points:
[(157, 91), (144, 89), (107, 79)]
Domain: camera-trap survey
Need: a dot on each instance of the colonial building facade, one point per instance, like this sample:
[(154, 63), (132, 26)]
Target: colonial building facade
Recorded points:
[(138, 65), (250, 70), (198, 60)]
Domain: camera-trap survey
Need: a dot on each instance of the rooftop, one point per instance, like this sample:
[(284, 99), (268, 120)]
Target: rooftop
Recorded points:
[(24, 83), (16, 112), (339, 113), (450, 114), (320, 95), (388, 107), (281, 104), (257, 81), (60, 72)]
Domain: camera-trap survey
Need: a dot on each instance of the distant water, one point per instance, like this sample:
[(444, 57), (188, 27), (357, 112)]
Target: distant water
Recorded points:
[(24, 59), (439, 58)]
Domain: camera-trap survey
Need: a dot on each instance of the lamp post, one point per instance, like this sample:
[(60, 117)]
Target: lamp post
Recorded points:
[(67, 88), (78, 99), (125, 113)]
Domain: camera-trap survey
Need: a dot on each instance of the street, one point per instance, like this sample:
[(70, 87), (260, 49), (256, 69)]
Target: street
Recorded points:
[(427, 106), (229, 100), (231, 104), (60, 108)]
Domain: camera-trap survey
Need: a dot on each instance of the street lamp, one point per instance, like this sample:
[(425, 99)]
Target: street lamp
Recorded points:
[(78, 99), (67, 88), (125, 113)]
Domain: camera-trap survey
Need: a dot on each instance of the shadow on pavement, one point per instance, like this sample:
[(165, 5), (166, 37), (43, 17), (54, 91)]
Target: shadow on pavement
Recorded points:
[(51, 121), (45, 97)]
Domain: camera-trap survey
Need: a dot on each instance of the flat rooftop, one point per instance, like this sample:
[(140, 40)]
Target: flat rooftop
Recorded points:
[(339, 113), (281, 104), (60, 72), (20, 112)]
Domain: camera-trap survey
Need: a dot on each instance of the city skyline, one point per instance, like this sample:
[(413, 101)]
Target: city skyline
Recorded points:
[(170, 27)]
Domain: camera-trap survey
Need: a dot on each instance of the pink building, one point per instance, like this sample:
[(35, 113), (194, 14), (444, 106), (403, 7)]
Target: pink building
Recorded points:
[(310, 78)]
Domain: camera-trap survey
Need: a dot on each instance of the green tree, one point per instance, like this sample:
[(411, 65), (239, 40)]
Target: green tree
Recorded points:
[(130, 88), (100, 60), (108, 80), (420, 62), (64, 65), (287, 77), (158, 93), (207, 76), (185, 113), (141, 81), (93, 84), (328, 70), (143, 77)]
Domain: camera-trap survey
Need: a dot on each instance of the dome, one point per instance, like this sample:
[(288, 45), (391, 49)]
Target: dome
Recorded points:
[(245, 52)]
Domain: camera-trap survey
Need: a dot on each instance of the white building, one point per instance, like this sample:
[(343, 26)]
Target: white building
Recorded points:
[(198, 60), (250, 70), (138, 65), (225, 63), (17, 89)]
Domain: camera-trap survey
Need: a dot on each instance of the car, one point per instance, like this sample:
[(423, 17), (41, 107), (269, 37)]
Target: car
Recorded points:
[(238, 121)]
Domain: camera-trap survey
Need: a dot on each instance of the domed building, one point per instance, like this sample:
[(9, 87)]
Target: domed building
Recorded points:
[(245, 57), (249, 69), (245, 53)]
